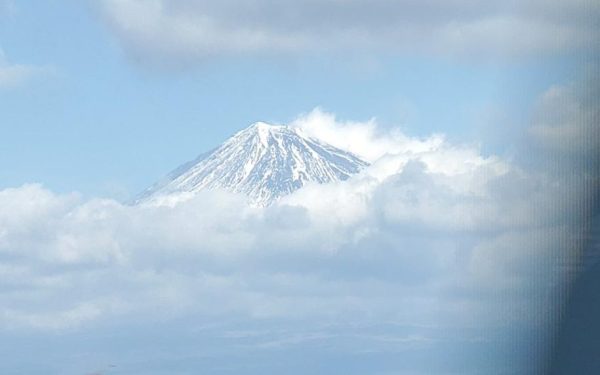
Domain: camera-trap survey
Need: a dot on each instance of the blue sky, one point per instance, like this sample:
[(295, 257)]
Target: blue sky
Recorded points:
[(103, 122)]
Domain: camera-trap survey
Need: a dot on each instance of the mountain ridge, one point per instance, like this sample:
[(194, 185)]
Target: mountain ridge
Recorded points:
[(263, 161)]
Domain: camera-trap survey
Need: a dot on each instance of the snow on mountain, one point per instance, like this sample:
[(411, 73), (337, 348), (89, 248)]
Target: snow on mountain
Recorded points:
[(263, 161)]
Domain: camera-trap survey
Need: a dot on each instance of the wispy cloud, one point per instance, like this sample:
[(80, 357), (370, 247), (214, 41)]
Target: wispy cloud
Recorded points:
[(14, 75), (566, 118), (184, 32)]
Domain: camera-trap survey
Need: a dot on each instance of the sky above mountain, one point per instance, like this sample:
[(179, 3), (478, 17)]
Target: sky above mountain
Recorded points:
[(478, 120), (107, 78)]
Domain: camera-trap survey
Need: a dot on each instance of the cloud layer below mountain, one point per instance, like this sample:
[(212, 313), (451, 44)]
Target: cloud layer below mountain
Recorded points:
[(433, 237), (428, 219)]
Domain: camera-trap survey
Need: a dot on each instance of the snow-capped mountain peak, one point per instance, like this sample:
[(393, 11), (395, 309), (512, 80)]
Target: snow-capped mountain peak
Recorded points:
[(263, 161)]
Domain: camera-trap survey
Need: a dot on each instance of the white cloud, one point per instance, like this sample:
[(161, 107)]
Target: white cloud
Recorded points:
[(390, 149), (185, 31)]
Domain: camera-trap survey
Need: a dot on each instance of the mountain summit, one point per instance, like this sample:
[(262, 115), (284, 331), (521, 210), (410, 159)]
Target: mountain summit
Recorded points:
[(263, 161)]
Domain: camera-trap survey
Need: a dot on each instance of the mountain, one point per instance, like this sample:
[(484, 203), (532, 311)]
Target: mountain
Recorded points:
[(263, 161)]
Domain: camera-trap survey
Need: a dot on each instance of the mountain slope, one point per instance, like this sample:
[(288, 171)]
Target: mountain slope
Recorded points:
[(263, 162)]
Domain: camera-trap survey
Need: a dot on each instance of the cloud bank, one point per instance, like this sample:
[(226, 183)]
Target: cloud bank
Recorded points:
[(185, 31), (434, 251), (428, 221)]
